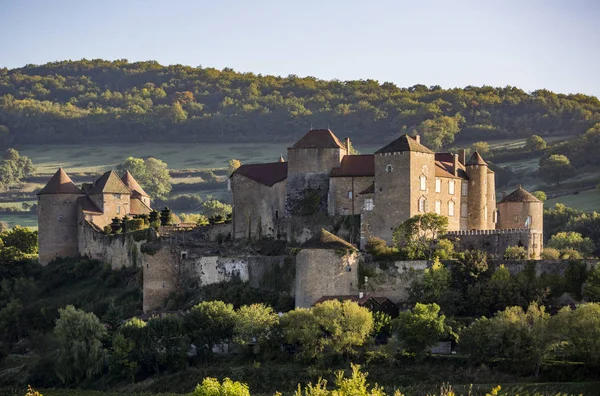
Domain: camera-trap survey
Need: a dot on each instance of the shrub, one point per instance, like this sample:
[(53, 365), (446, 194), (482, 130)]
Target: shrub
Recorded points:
[(515, 253), (378, 248), (550, 254), (212, 387)]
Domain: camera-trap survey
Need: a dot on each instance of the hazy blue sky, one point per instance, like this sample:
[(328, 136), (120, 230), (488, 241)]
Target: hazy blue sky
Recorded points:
[(530, 44)]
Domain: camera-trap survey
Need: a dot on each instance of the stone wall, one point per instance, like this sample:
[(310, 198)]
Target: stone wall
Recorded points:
[(57, 226), (343, 194), (495, 242), (111, 205), (391, 279), (301, 229)]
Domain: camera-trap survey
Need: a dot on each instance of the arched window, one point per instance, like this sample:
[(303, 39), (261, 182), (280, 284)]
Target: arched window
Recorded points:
[(464, 209), (389, 168), (438, 207), (450, 208), (422, 204), (423, 180)]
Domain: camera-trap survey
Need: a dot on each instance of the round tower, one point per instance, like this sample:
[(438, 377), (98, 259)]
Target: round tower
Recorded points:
[(477, 198), (491, 200), (520, 209), (58, 218)]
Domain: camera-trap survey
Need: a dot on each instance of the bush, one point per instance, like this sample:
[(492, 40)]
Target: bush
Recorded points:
[(378, 248), (212, 387), (550, 254), (515, 253)]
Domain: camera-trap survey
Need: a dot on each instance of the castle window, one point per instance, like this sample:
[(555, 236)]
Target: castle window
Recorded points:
[(516, 218), (60, 218), (350, 194), (528, 222), (465, 189), (485, 217), (118, 210), (464, 209), (276, 214), (389, 169), (495, 217), (423, 180), (450, 208), (451, 187), (422, 204), (438, 207), (117, 196), (438, 185), (368, 206)]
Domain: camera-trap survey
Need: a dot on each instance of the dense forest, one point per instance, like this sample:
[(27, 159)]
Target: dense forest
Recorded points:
[(118, 101)]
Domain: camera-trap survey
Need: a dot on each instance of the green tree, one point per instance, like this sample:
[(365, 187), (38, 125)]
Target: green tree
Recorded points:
[(470, 267), (540, 195), (214, 207), (332, 328), (535, 143), (233, 165), (418, 234), (176, 113), (515, 253), (212, 387), (81, 354), (433, 287), (591, 287), (482, 148), (565, 241), (423, 327), (13, 168), (580, 328), (151, 173), (22, 238), (210, 323), (439, 131), (254, 324), (555, 168)]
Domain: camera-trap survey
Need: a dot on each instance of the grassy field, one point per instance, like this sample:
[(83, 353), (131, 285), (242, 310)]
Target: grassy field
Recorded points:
[(587, 201)]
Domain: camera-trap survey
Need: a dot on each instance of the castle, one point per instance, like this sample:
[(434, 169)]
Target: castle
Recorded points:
[(65, 209), (402, 179)]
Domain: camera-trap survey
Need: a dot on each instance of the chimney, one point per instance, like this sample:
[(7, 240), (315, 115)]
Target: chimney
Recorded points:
[(455, 164), (418, 138), (348, 146), (462, 156), (503, 194)]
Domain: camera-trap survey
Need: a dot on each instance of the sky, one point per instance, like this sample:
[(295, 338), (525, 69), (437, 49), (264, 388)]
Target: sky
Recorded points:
[(530, 44)]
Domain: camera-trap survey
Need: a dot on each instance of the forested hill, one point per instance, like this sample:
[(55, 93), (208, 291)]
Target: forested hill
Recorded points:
[(115, 102)]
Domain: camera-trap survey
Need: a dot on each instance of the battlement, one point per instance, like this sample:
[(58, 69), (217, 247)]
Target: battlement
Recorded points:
[(491, 232)]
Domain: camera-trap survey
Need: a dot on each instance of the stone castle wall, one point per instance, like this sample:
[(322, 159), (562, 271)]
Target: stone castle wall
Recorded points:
[(300, 229), (57, 226), (495, 242)]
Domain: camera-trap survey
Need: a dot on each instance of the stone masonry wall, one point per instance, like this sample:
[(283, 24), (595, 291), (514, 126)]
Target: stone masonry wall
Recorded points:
[(495, 242)]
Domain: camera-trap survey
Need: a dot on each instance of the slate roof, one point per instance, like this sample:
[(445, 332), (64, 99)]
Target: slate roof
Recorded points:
[(326, 240), (88, 206), (404, 143), (520, 195), (109, 183), (476, 159), (355, 165), (444, 166), (60, 183), (319, 138), (266, 174), (132, 184)]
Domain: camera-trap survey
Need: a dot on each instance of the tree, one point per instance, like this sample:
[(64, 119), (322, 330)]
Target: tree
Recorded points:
[(567, 241), (535, 143), (523, 338), (81, 354), (151, 173), (332, 328), (439, 131), (22, 238), (254, 324), (418, 233), (540, 195), (469, 268), (14, 167), (482, 148), (515, 253), (233, 165), (210, 323), (555, 168), (422, 328), (432, 287), (581, 329), (212, 387), (591, 287), (195, 218), (214, 207), (176, 113)]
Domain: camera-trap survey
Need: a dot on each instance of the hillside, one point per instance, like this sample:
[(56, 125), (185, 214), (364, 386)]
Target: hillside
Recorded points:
[(120, 102)]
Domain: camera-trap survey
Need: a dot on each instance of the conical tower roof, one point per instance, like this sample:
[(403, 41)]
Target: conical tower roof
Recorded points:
[(132, 184), (319, 138), (476, 159), (281, 159), (404, 143), (326, 240), (109, 183), (60, 183), (520, 195)]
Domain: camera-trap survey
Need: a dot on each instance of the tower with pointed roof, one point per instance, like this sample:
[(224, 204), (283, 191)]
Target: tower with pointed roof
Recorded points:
[(110, 194), (57, 218), (310, 161), (478, 213)]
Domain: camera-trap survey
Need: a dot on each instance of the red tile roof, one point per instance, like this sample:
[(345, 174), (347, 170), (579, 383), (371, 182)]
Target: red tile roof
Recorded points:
[(319, 138), (138, 207), (60, 183), (132, 184), (109, 183), (326, 240), (520, 195), (444, 166), (88, 206), (266, 174), (404, 143), (355, 165), (476, 159)]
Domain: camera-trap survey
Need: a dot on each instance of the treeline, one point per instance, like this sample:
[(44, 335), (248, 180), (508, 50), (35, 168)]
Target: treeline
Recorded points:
[(98, 100)]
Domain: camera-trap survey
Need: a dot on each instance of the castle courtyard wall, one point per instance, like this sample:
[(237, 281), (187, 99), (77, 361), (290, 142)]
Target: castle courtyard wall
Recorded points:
[(343, 194)]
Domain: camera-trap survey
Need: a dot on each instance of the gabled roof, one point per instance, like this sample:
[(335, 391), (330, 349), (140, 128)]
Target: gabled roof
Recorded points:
[(520, 195), (319, 138), (109, 183), (132, 184), (138, 207), (476, 159), (404, 143), (355, 165), (88, 206), (60, 183), (266, 174), (326, 240)]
